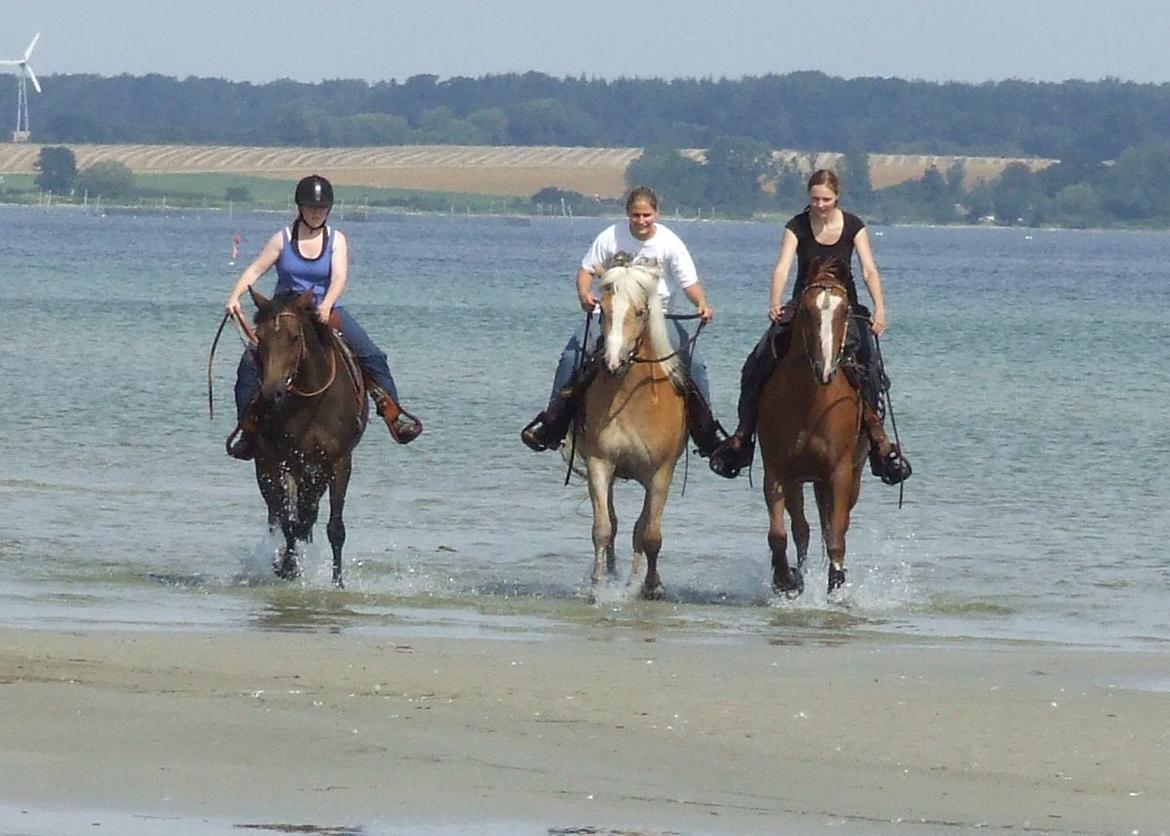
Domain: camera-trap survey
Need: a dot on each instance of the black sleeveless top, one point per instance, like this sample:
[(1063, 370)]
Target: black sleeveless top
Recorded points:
[(808, 248)]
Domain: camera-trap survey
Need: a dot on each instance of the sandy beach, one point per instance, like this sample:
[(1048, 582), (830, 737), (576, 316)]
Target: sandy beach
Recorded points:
[(602, 733)]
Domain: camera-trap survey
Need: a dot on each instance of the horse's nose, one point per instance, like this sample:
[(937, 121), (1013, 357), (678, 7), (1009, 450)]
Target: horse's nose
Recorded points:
[(274, 395)]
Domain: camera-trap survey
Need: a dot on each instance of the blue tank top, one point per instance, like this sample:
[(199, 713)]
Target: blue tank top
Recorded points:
[(296, 274)]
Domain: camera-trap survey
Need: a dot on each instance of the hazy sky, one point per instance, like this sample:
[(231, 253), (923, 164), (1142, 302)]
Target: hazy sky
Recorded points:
[(379, 40)]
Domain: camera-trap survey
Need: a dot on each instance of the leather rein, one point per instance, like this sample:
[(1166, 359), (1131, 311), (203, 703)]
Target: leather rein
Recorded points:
[(633, 357), (251, 340), (292, 388)]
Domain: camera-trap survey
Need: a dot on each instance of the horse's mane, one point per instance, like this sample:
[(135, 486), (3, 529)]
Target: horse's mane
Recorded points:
[(288, 303), (829, 269), (638, 284)]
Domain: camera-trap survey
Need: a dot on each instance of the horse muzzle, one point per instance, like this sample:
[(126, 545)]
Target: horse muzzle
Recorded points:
[(825, 372), (275, 393)]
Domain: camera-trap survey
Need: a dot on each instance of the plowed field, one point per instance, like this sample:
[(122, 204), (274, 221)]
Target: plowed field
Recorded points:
[(491, 170)]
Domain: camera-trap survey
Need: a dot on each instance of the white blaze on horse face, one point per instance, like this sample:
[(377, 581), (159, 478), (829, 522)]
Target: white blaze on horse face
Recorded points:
[(616, 346), (828, 303)]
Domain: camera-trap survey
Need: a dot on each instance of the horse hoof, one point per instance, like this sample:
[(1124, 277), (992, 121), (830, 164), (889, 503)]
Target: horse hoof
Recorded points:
[(287, 571), (790, 588), (651, 593), (836, 578)]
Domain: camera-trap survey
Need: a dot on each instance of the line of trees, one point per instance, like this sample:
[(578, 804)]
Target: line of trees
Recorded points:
[(741, 178), (1105, 175), (1074, 119), (58, 174)]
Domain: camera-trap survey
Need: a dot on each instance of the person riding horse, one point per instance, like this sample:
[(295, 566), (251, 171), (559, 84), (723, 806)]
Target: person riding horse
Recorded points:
[(821, 232), (310, 255), (642, 238)]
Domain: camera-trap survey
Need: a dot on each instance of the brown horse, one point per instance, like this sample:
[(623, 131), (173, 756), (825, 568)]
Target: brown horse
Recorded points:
[(633, 424), (810, 430), (314, 414)]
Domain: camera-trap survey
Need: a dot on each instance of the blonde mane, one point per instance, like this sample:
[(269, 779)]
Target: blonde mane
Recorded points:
[(637, 283)]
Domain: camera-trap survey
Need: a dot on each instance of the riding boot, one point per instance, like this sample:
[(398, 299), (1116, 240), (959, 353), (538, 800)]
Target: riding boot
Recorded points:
[(548, 429), (738, 450), (244, 445), (701, 424), (885, 459), (403, 426)]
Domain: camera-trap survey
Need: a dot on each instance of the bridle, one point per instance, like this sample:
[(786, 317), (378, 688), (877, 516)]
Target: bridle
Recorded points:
[(302, 354), (632, 355), (839, 353)]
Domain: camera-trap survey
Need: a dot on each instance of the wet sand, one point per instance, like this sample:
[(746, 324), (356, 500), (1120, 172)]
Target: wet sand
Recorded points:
[(610, 732)]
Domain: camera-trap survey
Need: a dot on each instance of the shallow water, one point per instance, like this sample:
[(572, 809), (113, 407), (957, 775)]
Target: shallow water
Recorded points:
[(1029, 390)]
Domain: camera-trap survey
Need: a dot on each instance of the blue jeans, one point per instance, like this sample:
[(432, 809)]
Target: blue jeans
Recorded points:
[(679, 339), (372, 359)]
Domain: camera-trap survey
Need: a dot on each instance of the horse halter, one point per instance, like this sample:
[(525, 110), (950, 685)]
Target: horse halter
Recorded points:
[(302, 352), (631, 356), (833, 362)]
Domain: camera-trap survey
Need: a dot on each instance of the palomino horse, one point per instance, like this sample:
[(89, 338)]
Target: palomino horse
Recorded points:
[(314, 414), (810, 430), (633, 425)]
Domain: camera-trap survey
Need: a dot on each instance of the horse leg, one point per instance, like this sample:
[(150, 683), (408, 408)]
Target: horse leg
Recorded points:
[(338, 485), (611, 551), (308, 501), (285, 566), (600, 495), (837, 513), (286, 493), (648, 530), (800, 528), (784, 577), (269, 481)]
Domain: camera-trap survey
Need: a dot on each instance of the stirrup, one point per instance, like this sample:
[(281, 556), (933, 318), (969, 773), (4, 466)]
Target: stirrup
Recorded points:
[(892, 468), (405, 428), (530, 435), (732, 456), (242, 448)]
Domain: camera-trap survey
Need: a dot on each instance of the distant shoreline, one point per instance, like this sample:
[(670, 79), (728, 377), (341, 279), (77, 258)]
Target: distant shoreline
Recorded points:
[(499, 171), (356, 213)]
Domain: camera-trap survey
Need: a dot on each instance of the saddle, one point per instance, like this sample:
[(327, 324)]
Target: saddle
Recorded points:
[(352, 368)]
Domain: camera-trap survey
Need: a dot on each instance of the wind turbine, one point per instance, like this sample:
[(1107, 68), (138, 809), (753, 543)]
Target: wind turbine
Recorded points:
[(25, 74)]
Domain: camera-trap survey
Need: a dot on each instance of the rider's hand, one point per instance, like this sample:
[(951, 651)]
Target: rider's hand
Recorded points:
[(705, 314), (323, 312), (587, 300), (877, 322), (233, 306), (778, 313)]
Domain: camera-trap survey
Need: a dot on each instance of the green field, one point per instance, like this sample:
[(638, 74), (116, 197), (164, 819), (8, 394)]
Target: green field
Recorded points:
[(242, 191)]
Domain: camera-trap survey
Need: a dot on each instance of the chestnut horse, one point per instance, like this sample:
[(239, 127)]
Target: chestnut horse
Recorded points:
[(633, 425), (314, 414), (810, 429)]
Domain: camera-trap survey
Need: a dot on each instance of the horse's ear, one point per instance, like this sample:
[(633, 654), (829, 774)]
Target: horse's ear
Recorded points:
[(257, 299), (304, 301)]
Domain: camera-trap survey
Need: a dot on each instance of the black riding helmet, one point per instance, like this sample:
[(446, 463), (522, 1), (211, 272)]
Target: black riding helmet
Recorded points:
[(314, 191)]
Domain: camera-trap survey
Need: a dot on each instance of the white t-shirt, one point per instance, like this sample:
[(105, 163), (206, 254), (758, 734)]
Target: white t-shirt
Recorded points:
[(664, 247)]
